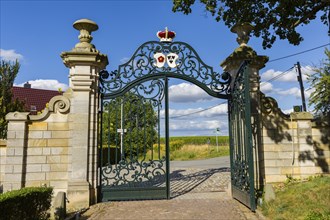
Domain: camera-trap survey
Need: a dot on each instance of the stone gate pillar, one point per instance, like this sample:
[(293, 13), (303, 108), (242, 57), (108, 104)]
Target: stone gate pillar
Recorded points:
[(232, 64), (84, 62)]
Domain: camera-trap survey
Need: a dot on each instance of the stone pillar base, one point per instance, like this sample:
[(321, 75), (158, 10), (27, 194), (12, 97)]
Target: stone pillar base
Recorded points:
[(78, 195)]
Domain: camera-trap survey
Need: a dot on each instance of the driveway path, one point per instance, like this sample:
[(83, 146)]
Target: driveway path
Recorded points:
[(199, 190)]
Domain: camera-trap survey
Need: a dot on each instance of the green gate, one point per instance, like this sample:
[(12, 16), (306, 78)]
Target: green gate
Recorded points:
[(134, 163), (240, 132)]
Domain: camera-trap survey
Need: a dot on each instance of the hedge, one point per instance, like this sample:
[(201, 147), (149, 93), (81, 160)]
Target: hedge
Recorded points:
[(30, 203)]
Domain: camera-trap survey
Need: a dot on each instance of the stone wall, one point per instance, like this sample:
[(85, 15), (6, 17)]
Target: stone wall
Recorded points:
[(48, 151), (293, 145), (3, 145), (37, 151)]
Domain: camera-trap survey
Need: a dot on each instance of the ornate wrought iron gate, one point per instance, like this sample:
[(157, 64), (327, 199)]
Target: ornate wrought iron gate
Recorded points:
[(241, 148), (134, 163)]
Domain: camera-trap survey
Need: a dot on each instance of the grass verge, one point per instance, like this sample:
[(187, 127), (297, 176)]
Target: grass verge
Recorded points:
[(306, 200)]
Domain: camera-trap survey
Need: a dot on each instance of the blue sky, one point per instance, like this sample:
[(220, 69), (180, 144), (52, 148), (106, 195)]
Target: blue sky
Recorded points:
[(36, 32)]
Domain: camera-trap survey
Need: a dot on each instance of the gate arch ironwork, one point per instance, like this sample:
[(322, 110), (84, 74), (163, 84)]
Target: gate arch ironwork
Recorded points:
[(134, 164)]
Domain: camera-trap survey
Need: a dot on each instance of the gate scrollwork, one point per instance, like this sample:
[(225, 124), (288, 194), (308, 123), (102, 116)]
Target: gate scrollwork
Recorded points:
[(187, 65)]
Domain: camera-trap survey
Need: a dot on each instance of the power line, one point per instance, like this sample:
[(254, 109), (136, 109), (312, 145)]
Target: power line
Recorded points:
[(277, 77), (305, 51), (199, 111)]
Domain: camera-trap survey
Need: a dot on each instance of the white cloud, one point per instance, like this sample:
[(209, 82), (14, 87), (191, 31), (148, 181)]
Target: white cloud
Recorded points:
[(295, 91), (290, 92), (266, 87), (196, 125), (290, 76), (10, 55), (287, 111), (186, 92), (124, 60), (49, 84)]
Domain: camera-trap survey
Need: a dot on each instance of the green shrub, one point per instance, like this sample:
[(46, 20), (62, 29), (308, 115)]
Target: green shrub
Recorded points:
[(176, 145), (28, 203)]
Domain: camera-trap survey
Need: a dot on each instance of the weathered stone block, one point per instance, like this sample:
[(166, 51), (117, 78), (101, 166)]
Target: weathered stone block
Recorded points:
[(13, 177), (57, 142), (47, 134), (57, 118), (18, 169), (16, 126), (45, 151), (36, 159), (304, 124), (271, 155), (38, 126), (58, 167), (33, 168), (272, 170), (37, 142), (14, 160), (57, 175), (32, 151), (53, 159), (60, 134), (58, 126), (10, 168), (35, 134), (11, 134), (59, 150), (45, 167), (35, 176), (65, 159), (59, 184), (290, 170), (10, 151), (18, 142)]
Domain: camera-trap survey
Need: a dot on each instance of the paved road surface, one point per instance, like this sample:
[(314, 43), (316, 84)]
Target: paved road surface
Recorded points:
[(199, 190), (218, 162)]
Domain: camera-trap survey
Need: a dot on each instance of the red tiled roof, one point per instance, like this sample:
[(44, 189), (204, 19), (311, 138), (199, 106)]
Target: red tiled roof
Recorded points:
[(34, 97)]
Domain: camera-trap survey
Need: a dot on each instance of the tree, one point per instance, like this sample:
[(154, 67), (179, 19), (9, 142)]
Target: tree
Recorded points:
[(271, 18), (139, 122), (8, 73), (320, 80)]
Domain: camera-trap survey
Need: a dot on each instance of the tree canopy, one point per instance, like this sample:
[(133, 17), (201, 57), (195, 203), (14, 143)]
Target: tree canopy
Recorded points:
[(139, 122), (8, 73), (272, 18), (320, 80)]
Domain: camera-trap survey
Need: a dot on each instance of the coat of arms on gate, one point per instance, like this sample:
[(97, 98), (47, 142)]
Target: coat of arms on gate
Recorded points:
[(171, 58)]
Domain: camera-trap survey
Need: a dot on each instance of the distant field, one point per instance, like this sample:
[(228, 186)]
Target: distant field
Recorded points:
[(194, 148), (199, 140), (184, 148)]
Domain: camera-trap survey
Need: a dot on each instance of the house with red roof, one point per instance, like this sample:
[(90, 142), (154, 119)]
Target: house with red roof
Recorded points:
[(35, 100)]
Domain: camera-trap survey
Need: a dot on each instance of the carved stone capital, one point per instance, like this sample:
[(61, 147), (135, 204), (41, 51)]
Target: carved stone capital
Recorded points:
[(242, 53), (72, 58)]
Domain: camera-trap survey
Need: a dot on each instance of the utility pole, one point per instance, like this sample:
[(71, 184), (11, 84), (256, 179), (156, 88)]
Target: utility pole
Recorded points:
[(301, 87)]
